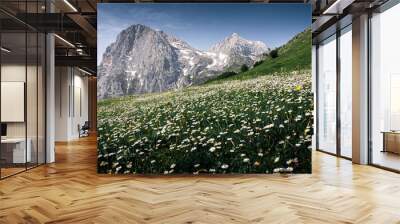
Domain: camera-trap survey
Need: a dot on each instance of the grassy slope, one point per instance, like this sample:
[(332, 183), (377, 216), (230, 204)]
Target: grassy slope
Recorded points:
[(234, 115), (294, 55)]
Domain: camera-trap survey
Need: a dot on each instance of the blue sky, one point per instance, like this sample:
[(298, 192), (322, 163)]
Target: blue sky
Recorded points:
[(202, 25)]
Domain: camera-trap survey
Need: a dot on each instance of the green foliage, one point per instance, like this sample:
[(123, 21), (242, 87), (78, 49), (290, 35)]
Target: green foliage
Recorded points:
[(273, 53), (244, 68), (261, 125), (258, 63), (224, 75), (295, 55), (228, 74)]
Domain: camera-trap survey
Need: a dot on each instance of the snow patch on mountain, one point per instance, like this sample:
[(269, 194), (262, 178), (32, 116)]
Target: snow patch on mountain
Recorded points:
[(143, 60)]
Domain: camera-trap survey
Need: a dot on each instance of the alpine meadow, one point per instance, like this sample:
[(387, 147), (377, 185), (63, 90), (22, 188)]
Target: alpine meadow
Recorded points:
[(167, 107)]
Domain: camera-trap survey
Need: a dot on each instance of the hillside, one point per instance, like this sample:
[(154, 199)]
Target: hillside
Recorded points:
[(260, 125), (294, 55)]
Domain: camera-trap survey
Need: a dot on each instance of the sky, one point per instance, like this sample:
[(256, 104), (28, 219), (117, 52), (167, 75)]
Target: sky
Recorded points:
[(203, 25)]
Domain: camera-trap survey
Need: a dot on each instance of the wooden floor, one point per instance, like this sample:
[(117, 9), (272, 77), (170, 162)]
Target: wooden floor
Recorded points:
[(387, 159), (70, 191), (5, 172)]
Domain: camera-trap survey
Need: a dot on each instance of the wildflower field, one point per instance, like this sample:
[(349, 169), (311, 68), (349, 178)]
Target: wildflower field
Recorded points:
[(262, 125)]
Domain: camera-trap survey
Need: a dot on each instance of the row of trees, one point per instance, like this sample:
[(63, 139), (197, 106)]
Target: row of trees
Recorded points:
[(271, 54), (245, 68)]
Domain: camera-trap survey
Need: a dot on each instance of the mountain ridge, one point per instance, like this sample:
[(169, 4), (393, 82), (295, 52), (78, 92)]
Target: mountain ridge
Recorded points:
[(144, 60), (294, 55)]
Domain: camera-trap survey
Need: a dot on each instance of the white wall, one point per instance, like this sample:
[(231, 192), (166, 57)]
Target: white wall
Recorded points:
[(80, 110), (10, 73), (33, 126), (17, 73), (62, 82), (71, 94)]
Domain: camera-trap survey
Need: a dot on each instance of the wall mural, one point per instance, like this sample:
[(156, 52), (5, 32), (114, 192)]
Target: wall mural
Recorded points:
[(204, 88)]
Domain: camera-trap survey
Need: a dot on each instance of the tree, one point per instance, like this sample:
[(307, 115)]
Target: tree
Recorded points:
[(273, 53), (244, 68), (258, 63), (227, 74)]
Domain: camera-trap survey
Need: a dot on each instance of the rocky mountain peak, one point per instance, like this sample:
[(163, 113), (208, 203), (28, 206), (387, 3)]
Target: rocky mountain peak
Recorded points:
[(133, 30), (144, 60), (234, 35), (236, 40), (240, 50)]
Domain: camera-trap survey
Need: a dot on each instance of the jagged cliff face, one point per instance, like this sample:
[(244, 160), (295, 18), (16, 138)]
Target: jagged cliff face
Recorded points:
[(143, 60), (240, 51)]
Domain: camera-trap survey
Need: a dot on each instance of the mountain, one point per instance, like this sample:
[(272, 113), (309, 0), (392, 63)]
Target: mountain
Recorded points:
[(144, 60), (240, 51), (293, 56)]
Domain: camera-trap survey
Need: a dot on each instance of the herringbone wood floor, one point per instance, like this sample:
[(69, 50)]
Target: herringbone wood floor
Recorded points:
[(70, 191)]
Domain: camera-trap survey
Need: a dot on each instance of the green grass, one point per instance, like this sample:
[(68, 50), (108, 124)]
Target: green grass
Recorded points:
[(262, 125), (295, 55)]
